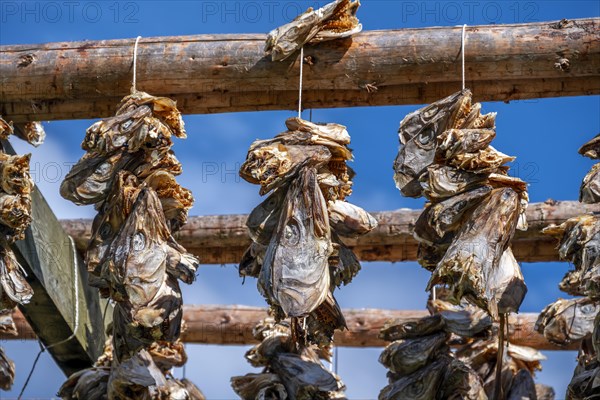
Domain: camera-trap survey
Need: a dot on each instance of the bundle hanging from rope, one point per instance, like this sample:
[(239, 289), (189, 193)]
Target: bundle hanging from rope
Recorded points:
[(15, 216), (565, 321), (128, 173)]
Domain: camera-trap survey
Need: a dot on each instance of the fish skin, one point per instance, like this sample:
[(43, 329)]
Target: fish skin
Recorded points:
[(405, 356), (565, 321), (264, 218), (297, 258), (397, 329), (422, 384), (590, 186)]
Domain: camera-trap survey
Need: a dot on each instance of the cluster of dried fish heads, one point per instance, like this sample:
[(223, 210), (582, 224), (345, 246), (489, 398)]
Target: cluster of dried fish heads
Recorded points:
[(15, 216), (128, 173), (287, 372), (297, 251), (335, 20), (474, 206), (452, 355), (578, 319)]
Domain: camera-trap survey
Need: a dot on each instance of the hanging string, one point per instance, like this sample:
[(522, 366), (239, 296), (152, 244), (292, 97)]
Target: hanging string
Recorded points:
[(300, 86), (462, 50), (76, 320), (135, 47)]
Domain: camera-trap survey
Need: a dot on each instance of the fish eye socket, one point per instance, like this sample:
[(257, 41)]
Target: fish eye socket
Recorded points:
[(426, 136), (126, 125), (139, 241), (291, 233), (105, 230)]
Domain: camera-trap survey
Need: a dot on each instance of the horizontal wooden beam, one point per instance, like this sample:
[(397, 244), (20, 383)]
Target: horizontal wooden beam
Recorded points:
[(232, 325), (226, 73), (49, 257), (223, 239)]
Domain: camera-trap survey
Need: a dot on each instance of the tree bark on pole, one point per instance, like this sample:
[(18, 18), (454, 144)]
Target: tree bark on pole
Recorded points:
[(227, 73), (232, 325), (222, 239)]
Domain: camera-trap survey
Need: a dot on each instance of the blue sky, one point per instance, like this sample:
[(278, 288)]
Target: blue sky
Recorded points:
[(544, 134)]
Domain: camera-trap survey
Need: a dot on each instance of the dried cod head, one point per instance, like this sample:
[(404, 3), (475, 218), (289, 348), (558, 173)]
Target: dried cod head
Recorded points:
[(333, 21)]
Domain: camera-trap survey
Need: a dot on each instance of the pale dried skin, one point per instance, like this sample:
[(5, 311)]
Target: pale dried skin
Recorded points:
[(488, 160), (7, 371), (590, 187), (14, 288), (264, 218), (336, 132), (461, 383), (565, 321), (167, 355), (445, 181), (7, 325), (15, 213), (501, 180), (31, 132), (396, 329), (252, 260), (6, 129), (176, 200), (137, 378), (272, 165), (463, 320), (592, 148), (262, 354), (505, 285), (478, 247), (303, 379), (348, 220), (334, 20), (454, 142), (265, 386), (544, 392), (448, 215), (14, 174), (420, 385), (91, 179), (193, 391), (89, 384), (296, 267), (403, 357)]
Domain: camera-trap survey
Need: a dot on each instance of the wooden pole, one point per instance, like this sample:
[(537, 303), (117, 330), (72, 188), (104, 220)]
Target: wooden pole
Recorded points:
[(232, 325), (227, 73), (223, 239)]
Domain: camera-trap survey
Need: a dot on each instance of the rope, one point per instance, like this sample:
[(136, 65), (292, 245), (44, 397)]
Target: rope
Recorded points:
[(76, 320), (462, 50), (300, 86), (135, 47)]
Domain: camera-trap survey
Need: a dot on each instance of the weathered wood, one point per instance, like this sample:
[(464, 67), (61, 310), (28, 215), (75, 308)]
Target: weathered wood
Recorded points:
[(226, 73), (223, 238), (232, 325), (48, 256)]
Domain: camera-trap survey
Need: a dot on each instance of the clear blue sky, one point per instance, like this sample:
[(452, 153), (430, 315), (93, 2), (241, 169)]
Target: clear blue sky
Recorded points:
[(544, 135)]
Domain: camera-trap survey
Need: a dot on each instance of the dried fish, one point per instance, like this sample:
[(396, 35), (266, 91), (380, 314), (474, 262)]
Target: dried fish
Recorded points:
[(7, 371), (505, 285), (303, 379), (91, 383), (6, 129), (300, 282), (454, 142), (461, 383), (523, 387), (128, 173), (333, 21), (336, 132), (544, 392), (446, 181), (476, 251), (14, 288), (590, 187), (565, 321), (422, 384), (463, 320), (264, 218), (592, 148), (406, 356), (7, 325), (14, 174), (348, 220), (265, 386), (397, 329), (31, 132)]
